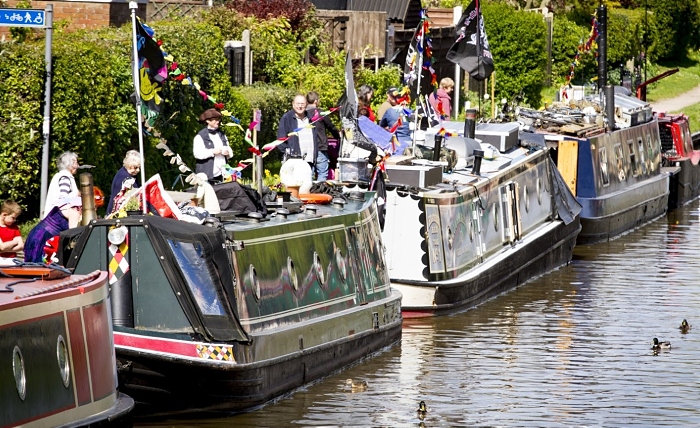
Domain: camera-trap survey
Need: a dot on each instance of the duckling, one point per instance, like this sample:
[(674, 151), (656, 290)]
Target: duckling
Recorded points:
[(685, 327), (660, 345), (356, 385), (422, 410)]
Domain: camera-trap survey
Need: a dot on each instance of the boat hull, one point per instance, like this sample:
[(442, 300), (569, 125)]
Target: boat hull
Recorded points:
[(685, 185), (165, 381), (611, 215), (546, 250), (60, 368)]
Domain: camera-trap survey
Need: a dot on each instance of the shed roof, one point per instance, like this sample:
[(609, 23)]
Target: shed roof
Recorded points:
[(406, 11)]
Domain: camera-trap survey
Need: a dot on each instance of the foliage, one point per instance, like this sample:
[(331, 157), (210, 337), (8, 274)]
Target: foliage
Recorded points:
[(22, 72), (567, 37), (670, 41), (297, 12), (517, 41), (381, 80)]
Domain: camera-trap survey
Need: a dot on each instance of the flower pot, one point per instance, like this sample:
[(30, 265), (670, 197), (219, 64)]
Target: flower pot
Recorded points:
[(284, 196), (294, 190), (129, 213)]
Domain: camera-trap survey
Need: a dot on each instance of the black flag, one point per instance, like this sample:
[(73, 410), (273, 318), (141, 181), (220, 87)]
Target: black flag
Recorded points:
[(348, 101), (471, 48)]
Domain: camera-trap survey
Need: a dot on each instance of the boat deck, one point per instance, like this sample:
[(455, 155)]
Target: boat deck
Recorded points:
[(19, 283)]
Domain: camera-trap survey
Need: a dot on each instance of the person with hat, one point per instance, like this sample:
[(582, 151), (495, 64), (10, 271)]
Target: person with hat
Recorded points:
[(62, 183), (395, 120), (389, 103), (210, 148), (64, 215)]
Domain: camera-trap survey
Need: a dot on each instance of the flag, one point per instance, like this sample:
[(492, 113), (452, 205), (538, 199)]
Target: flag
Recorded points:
[(471, 47), (348, 101), (150, 54), (419, 60)]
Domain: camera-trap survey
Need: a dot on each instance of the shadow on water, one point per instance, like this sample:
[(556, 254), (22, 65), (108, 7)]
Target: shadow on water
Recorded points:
[(571, 348)]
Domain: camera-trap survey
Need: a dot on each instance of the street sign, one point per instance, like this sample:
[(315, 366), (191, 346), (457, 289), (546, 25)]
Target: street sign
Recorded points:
[(22, 18)]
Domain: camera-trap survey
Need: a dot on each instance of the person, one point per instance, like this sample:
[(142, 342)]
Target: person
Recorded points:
[(10, 236), (302, 144), (440, 100), (210, 147), (63, 183), (364, 98), (64, 215), (129, 171), (321, 125), (386, 105), (392, 116)]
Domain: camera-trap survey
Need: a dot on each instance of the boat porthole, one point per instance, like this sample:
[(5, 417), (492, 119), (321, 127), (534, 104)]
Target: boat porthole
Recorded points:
[(495, 217), (450, 238), (319, 269), (62, 356), (539, 191), (20, 375), (340, 261), (292, 273), (526, 200), (255, 283)]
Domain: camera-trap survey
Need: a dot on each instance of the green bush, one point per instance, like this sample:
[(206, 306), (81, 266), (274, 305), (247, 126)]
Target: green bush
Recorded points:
[(517, 42)]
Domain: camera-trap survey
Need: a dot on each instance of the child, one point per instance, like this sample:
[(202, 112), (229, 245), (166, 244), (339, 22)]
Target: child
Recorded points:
[(10, 237)]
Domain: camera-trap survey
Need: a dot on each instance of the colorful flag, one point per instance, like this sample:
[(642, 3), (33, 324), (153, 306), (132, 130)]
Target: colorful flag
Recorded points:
[(471, 48)]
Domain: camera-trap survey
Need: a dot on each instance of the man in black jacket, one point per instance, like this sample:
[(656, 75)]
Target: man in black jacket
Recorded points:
[(321, 125), (302, 144)]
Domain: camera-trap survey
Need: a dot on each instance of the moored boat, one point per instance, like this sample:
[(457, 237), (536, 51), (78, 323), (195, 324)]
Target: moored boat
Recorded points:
[(458, 238), (615, 169), (226, 317), (679, 155), (59, 366)]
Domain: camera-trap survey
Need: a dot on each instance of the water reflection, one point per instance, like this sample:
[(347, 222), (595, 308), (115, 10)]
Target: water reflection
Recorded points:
[(572, 348)]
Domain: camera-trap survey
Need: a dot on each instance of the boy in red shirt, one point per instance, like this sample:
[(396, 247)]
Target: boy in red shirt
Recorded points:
[(10, 237)]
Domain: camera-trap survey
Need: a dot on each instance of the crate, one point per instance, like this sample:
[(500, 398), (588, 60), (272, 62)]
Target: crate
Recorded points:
[(414, 175), (354, 169), (503, 136)]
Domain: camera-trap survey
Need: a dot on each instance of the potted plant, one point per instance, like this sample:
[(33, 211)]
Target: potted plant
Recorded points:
[(132, 206)]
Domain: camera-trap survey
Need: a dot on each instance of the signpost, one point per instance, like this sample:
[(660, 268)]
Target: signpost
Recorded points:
[(36, 18)]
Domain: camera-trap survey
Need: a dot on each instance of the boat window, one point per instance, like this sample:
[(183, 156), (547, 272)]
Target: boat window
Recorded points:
[(650, 153), (642, 158), (687, 139), (603, 159), (620, 162), (197, 273), (633, 158)]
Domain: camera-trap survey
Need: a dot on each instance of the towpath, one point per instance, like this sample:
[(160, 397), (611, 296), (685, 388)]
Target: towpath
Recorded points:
[(678, 103)]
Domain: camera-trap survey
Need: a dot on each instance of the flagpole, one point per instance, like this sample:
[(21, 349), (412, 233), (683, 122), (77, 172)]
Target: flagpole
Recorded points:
[(420, 72), (135, 72)]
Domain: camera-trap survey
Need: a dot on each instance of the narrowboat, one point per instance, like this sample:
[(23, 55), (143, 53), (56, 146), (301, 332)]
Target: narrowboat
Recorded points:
[(611, 162), (225, 316), (460, 233), (677, 152), (58, 367)]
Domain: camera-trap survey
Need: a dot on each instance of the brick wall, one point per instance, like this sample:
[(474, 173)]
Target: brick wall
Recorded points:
[(86, 14)]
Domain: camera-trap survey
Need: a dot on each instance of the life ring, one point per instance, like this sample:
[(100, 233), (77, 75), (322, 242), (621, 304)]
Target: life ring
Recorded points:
[(315, 198)]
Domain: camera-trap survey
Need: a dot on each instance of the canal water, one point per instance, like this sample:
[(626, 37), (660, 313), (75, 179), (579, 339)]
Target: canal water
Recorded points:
[(569, 349)]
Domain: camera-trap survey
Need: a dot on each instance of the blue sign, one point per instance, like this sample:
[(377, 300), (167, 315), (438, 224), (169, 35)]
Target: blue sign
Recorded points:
[(22, 18)]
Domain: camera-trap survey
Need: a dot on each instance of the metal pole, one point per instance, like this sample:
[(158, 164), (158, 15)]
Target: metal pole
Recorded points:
[(387, 55), (456, 14), (420, 73), (137, 87), (46, 128)]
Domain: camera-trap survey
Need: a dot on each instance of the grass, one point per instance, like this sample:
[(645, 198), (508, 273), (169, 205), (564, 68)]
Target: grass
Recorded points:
[(693, 113), (687, 78)]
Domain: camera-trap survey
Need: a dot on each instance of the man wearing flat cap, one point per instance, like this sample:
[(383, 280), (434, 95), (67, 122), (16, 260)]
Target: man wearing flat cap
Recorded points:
[(210, 148)]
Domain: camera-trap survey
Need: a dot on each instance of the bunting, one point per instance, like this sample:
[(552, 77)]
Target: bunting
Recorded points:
[(155, 67), (584, 47), (419, 57)]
